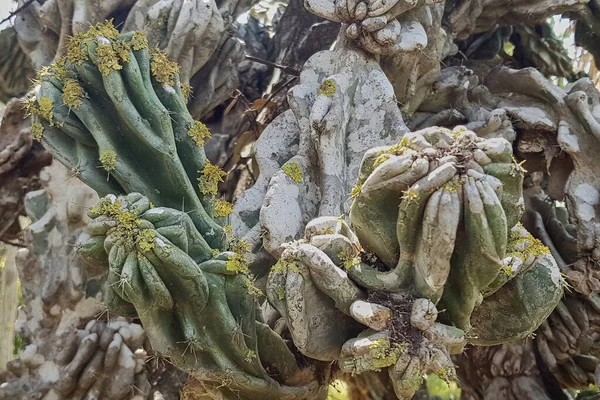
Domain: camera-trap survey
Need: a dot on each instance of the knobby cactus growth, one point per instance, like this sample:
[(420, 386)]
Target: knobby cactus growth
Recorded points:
[(200, 309), (434, 222), (437, 210), (114, 112), (324, 308)]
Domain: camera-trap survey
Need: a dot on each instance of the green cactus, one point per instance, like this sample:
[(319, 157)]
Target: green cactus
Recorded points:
[(113, 111), (161, 269), (437, 209)]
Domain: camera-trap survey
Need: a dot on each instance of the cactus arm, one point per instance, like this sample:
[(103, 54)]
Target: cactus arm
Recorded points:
[(188, 308), (479, 264), (274, 352), (147, 144), (375, 226), (436, 244), (156, 288), (512, 196), (329, 278), (410, 215)]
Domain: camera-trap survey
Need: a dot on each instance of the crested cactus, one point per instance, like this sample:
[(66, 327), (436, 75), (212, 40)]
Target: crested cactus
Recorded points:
[(434, 219), (331, 317), (437, 209), (161, 269), (113, 111)]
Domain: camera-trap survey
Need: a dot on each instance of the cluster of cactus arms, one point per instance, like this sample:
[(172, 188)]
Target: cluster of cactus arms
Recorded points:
[(434, 224), (199, 308), (440, 210), (113, 110), (331, 317)]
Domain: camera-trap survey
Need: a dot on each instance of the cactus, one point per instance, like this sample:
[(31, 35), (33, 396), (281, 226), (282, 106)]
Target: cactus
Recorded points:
[(436, 209), (162, 270), (331, 318), (113, 104)]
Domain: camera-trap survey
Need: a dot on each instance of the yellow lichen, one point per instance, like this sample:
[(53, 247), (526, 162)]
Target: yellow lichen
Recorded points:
[(72, 94), (454, 185), (349, 260), (507, 270), (284, 264), (215, 253), (123, 50), (139, 40), (210, 177), (522, 244), (327, 88), (45, 108), (280, 293), (456, 132), (397, 150), (250, 355), (252, 289), (57, 70), (127, 225), (105, 29), (107, 59), (240, 247), (199, 133), (106, 207), (355, 191), (385, 354), (237, 263), (222, 208), (186, 90), (163, 69), (146, 239), (37, 131), (380, 160), (76, 51), (409, 196), (108, 159), (294, 171)]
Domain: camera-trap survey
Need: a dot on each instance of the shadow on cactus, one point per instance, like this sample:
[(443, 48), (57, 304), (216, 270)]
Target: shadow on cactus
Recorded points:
[(440, 210), (114, 112)]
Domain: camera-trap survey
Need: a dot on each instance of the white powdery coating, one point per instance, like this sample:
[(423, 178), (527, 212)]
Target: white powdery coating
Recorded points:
[(568, 141), (49, 372), (588, 198), (548, 262), (360, 115), (282, 217), (154, 211)]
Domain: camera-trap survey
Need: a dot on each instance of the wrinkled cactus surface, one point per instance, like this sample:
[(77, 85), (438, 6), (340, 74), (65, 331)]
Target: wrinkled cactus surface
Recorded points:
[(113, 111), (437, 209), (199, 307)]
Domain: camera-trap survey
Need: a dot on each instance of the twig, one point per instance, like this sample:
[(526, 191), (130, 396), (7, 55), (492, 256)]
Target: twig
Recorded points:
[(287, 70), (279, 89), (18, 10)]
